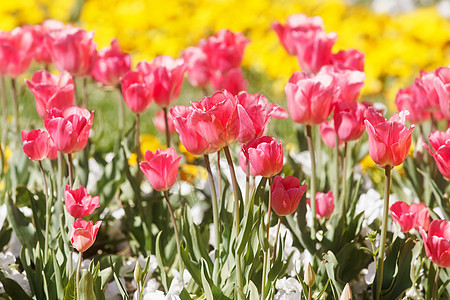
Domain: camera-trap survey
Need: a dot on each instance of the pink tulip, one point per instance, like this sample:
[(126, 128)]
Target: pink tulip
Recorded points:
[(191, 140), (389, 140), (232, 81), (349, 121), (286, 194), (73, 50), (265, 156), (426, 84), (69, 129), (437, 242), (324, 204), (224, 50), (328, 133), (16, 52), (36, 144), (161, 168), (350, 59), (413, 100), (167, 75), (41, 54), (84, 234), (52, 151), (442, 85), (296, 25), (198, 71), (349, 82), (278, 112), (310, 97), (423, 215), (79, 203), (111, 65), (137, 91), (402, 214), (160, 123), (440, 144), (216, 118), (51, 91)]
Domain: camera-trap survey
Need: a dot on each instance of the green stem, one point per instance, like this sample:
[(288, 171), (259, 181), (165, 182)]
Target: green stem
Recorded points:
[(274, 253), (16, 105), (309, 293), (177, 234), (216, 219), (240, 283), (4, 110), (138, 150), (77, 279), (313, 180), (166, 123), (85, 97), (247, 182), (336, 167), (387, 188), (121, 112), (219, 174), (436, 279), (344, 181), (266, 263), (69, 155), (47, 213)]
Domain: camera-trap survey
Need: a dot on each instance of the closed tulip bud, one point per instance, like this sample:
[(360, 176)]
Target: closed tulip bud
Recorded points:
[(310, 277), (286, 195), (137, 272), (346, 293), (84, 234), (324, 204), (137, 90), (265, 155), (402, 214), (423, 215), (36, 144)]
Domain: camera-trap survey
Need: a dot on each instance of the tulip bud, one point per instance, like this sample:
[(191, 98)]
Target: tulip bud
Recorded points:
[(310, 277), (346, 293), (137, 272)]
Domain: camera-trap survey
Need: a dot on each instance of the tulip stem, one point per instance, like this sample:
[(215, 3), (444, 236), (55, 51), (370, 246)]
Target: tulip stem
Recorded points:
[(219, 173), (77, 279), (344, 181), (4, 110), (47, 212), (69, 155), (85, 97), (166, 124), (138, 150), (16, 104), (309, 293), (240, 283), (313, 180), (436, 279), (274, 253), (387, 189), (216, 219), (266, 263), (247, 181), (121, 112), (177, 235), (336, 167)]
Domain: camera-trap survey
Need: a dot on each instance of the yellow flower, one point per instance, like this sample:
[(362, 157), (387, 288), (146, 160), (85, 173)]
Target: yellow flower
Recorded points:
[(148, 142), (190, 172), (189, 156)]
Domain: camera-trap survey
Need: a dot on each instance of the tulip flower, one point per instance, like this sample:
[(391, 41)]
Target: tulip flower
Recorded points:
[(41, 53), (310, 97), (427, 85), (216, 118), (442, 86), (84, 234), (158, 121), (350, 83), (137, 91), (232, 81), (286, 194), (265, 156), (440, 144), (36, 144), (69, 129), (51, 91), (423, 215), (16, 52), (404, 215), (111, 65), (389, 140), (350, 59), (349, 121), (198, 71), (328, 134), (161, 168), (437, 242), (413, 100), (324, 204), (79, 203)]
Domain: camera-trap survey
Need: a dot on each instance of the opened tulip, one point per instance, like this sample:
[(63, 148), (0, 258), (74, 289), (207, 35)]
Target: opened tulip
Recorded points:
[(161, 168), (265, 156), (389, 140), (84, 234), (442, 86), (79, 203), (324, 204), (36, 144), (69, 129), (414, 101), (233, 81), (197, 65), (349, 120), (440, 144), (51, 91), (159, 122), (16, 52), (423, 215), (40, 53), (437, 242), (350, 59), (350, 83), (216, 118), (137, 91), (404, 215), (310, 97), (111, 65), (286, 194)]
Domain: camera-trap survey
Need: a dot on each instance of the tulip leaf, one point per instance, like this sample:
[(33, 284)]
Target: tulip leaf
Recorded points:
[(191, 266), (14, 290), (331, 264), (87, 286), (24, 230), (122, 290), (164, 279), (70, 293), (253, 293)]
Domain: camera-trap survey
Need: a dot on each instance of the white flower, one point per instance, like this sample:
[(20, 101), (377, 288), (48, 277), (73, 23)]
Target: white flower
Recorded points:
[(2, 215), (197, 212), (369, 273), (304, 159), (112, 291), (95, 174), (288, 289)]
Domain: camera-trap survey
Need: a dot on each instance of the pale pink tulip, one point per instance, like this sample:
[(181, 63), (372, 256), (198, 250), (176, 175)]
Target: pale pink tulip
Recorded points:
[(84, 234), (161, 168), (324, 204), (265, 156)]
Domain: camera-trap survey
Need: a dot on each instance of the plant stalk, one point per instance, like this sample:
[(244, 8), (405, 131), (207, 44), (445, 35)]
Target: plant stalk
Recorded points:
[(344, 180), (266, 263), (247, 182), (166, 124), (85, 97), (138, 149), (336, 167), (121, 112), (77, 279), (4, 111), (436, 280), (274, 253), (69, 155), (313, 180), (47, 212), (177, 234), (219, 175), (16, 105)]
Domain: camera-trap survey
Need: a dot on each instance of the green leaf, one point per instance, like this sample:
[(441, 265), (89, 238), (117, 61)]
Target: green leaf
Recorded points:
[(191, 266), (205, 283), (164, 280), (253, 293), (14, 290), (57, 277), (21, 225), (87, 286), (70, 293)]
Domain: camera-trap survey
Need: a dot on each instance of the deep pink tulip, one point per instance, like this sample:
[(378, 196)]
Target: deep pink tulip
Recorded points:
[(423, 215), (350, 59), (286, 194), (324, 204), (224, 50), (310, 97), (160, 123), (402, 214), (232, 81), (440, 144), (191, 140), (349, 120), (437, 242), (84, 234), (413, 100), (79, 203), (442, 85), (216, 118), (167, 75), (111, 65), (36, 144), (198, 71), (69, 129), (265, 156), (296, 25), (51, 91), (426, 83), (137, 91), (328, 133), (16, 52), (350, 83), (161, 168), (389, 140), (73, 50)]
